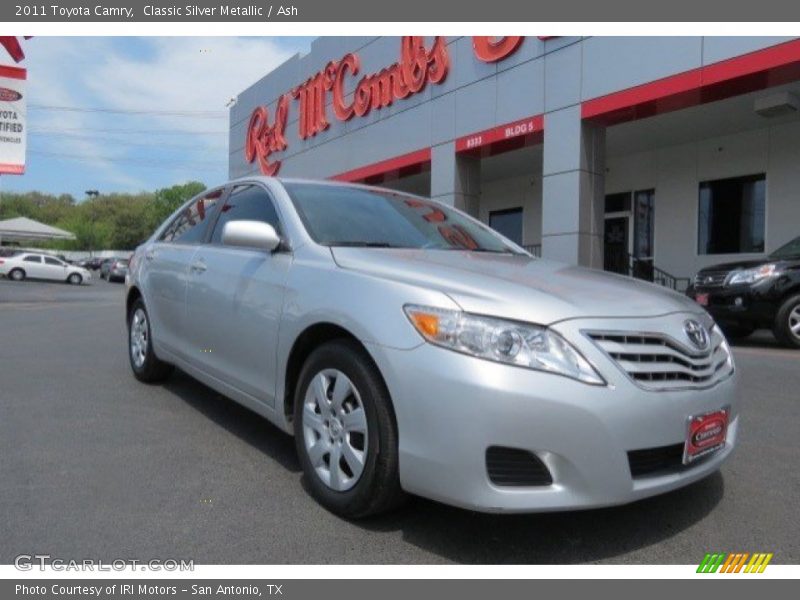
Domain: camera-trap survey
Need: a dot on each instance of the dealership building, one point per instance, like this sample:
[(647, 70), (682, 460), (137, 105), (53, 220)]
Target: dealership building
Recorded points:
[(650, 156)]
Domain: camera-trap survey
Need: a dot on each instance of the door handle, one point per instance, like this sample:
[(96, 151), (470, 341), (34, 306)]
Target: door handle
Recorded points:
[(199, 266)]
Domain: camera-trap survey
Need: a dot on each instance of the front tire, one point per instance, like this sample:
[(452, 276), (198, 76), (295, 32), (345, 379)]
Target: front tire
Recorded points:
[(16, 275), (145, 364), (345, 432), (75, 279), (787, 323)]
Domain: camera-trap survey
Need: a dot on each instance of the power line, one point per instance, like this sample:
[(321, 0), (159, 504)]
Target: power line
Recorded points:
[(153, 163), (112, 140), (198, 114), (129, 131)]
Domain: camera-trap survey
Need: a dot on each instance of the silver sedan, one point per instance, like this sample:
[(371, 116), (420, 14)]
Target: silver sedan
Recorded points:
[(411, 349)]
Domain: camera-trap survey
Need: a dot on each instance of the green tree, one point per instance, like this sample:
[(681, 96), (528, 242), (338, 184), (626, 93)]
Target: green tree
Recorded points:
[(110, 221)]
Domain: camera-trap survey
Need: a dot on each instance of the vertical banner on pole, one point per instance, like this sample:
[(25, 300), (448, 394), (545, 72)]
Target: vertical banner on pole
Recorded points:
[(13, 113)]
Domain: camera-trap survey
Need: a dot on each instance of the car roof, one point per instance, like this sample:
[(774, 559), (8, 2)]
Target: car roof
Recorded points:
[(325, 182)]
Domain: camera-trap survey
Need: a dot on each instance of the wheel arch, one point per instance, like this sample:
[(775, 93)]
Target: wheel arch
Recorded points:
[(304, 344), (792, 290), (133, 295)]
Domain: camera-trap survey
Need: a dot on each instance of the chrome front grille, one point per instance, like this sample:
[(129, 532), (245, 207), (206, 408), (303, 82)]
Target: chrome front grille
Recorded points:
[(710, 279), (658, 362)]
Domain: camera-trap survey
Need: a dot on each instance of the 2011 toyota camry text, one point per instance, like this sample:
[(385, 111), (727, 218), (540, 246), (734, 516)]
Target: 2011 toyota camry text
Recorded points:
[(411, 349)]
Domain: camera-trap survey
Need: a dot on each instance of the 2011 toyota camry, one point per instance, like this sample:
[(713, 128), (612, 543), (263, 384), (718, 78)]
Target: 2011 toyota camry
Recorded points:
[(410, 348)]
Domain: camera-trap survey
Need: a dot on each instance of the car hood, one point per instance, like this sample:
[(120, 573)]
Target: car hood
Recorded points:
[(517, 287)]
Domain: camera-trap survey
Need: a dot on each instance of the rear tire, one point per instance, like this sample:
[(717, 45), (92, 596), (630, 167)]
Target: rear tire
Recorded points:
[(329, 437), (75, 279), (145, 364), (16, 275), (787, 323)]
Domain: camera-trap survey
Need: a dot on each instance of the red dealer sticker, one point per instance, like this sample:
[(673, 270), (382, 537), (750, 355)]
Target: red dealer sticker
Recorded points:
[(7, 95), (705, 434)]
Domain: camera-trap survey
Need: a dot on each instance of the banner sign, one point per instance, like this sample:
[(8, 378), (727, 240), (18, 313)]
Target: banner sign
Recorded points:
[(12, 120), (417, 67)]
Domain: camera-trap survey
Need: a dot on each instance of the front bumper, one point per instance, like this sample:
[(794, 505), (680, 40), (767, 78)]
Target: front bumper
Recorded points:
[(750, 304), (451, 407)]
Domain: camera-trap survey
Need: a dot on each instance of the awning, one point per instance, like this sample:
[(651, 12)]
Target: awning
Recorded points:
[(22, 228)]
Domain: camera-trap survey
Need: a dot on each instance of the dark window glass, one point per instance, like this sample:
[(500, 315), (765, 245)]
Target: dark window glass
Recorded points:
[(350, 216), (618, 202), (36, 259), (190, 226), (790, 250), (731, 215), (507, 223), (53, 261), (246, 203), (644, 224)]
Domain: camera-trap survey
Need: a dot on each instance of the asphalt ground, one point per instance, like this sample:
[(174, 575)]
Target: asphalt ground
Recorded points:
[(94, 464)]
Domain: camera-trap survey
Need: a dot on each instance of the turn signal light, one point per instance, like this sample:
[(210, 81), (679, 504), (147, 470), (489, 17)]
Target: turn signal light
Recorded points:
[(426, 323)]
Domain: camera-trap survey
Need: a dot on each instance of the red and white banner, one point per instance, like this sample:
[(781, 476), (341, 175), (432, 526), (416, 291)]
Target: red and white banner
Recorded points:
[(13, 111)]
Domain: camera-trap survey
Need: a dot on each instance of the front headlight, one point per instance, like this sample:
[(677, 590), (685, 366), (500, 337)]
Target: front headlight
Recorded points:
[(519, 344), (751, 276)]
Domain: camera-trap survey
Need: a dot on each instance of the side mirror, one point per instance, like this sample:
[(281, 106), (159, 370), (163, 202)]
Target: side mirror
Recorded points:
[(250, 234)]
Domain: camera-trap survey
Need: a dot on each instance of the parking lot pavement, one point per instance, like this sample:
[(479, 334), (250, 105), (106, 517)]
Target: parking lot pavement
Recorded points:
[(94, 464)]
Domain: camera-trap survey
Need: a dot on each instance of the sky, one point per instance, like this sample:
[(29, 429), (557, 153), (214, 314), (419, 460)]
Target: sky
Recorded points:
[(181, 85)]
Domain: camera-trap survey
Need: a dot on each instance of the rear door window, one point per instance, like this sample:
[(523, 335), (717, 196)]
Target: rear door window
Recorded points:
[(189, 227)]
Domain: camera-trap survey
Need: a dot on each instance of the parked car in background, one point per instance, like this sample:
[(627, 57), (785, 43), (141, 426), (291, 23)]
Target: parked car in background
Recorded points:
[(410, 348), (93, 264), (105, 267), (117, 270), (748, 295), (30, 265)]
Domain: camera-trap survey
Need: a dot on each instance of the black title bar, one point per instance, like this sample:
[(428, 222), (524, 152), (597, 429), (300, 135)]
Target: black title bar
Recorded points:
[(400, 11)]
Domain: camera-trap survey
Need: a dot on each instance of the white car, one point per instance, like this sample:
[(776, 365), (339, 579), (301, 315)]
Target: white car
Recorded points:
[(42, 266)]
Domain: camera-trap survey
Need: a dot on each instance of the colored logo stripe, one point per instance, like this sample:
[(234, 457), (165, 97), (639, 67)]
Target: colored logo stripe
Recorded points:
[(711, 563), (734, 562)]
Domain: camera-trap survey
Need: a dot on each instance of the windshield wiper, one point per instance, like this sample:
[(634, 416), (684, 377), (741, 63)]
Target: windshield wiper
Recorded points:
[(490, 251), (353, 244)]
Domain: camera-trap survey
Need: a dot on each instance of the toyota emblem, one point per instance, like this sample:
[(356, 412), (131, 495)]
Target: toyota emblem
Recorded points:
[(697, 334)]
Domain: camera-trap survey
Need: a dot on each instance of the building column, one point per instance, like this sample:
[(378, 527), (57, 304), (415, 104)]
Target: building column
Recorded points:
[(455, 178), (573, 189)]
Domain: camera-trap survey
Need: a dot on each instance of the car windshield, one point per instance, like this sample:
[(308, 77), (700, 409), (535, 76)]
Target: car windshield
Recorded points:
[(122, 263), (790, 250), (354, 216)]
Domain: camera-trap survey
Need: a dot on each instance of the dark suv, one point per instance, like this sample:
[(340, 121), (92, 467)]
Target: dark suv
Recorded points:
[(747, 295)]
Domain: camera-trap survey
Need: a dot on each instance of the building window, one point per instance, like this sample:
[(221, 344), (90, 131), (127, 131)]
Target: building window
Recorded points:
[(731, 216), (507, 223), (620, 202)]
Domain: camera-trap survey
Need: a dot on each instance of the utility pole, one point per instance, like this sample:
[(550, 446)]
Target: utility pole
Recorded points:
[(92, 195)]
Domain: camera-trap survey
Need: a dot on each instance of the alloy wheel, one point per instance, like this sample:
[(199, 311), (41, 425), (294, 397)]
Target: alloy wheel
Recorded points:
[(335, 429), (794, 322), (139, 337)]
